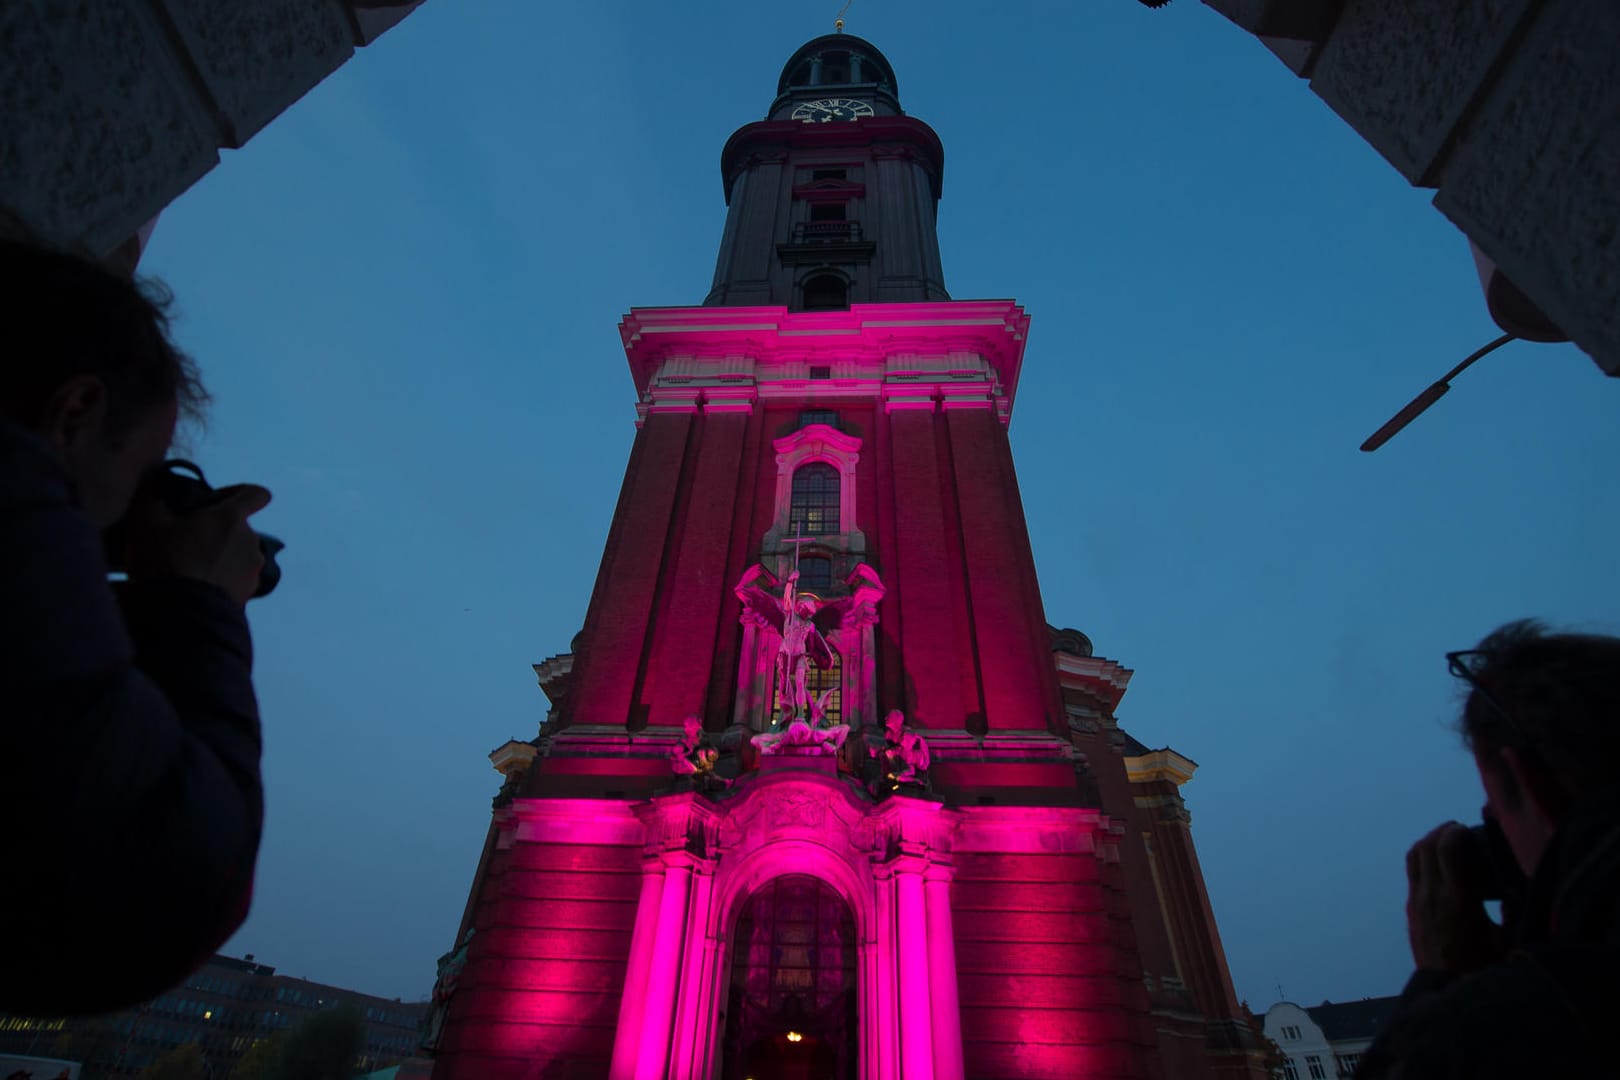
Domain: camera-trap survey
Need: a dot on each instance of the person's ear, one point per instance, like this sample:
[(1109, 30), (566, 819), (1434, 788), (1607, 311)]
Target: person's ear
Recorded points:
[(75, 412)]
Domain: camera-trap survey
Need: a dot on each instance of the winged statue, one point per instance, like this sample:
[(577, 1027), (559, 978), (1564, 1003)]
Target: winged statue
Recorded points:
[(803, 622)]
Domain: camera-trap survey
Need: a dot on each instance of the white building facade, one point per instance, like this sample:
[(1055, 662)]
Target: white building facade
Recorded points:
[(1326, 1041)]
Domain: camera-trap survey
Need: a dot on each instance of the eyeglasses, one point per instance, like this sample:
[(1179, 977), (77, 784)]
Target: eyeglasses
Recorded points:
[(1460, 663)]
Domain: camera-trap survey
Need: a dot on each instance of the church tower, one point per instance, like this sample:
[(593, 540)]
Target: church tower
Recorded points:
[(821, 793)]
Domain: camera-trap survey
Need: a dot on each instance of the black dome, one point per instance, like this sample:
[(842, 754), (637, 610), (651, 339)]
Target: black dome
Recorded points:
[(832, 48)]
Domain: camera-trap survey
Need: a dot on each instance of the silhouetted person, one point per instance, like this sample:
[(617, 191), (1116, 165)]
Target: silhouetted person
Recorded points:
[(129, 733), (1535, 997)]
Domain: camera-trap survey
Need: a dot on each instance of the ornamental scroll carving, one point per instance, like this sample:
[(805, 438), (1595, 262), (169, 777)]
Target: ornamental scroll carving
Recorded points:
[(806, 808)]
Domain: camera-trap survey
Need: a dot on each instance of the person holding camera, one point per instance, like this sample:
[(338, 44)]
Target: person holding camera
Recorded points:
[(1534, 995), (129, 731)]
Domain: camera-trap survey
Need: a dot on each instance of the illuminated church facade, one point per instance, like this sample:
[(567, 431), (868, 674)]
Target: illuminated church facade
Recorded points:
[(821, 793)]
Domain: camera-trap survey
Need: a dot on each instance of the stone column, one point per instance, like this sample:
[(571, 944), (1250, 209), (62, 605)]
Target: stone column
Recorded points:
[(934, 635), (882, 1029), (945, 1009), (695, 1006), (869, 718), (617, 621), (658, 1012), (635, 976), (916, 1027), (1018, 680), (676, 684), (743, 712)]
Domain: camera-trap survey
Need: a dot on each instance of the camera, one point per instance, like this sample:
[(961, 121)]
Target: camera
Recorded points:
[(1492, 870), (181, 487)]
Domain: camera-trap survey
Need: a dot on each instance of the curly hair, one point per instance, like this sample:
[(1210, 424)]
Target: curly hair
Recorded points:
[(66, 316), (1552, 697)]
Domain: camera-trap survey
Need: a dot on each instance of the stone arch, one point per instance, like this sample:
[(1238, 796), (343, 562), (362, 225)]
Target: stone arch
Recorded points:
[(793, 964), (817, 443), (824, 289), (806, 823), (780, 857)]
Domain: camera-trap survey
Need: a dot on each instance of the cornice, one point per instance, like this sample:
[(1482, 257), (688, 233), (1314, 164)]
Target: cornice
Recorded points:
[(513, 754), (934, 349), (553, 673), (1097, 675), (1163, 764), (814, 438), (777, 135)]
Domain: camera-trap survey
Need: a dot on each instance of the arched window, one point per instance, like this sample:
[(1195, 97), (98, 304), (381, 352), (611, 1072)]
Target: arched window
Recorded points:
[(834, 68), (826, 292), (813, 504)]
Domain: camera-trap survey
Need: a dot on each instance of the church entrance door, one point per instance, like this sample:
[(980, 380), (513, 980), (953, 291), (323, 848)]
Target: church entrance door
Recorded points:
[(791, 1010)]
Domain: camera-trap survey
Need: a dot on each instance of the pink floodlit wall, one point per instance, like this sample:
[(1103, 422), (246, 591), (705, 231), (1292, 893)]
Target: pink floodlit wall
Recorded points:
[(1003, 931), (928, 500), (991, 941)]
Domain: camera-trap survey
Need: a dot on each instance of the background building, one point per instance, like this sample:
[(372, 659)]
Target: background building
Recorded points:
[(225, 1008), (943, 858), (1326, 1040)]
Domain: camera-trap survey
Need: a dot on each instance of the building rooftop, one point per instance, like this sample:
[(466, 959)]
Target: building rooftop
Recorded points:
[(1352, 1019)]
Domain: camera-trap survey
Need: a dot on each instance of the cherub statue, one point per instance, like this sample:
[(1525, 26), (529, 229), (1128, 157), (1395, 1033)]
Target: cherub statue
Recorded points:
[(904, 755), (692, 757), (444, 988)]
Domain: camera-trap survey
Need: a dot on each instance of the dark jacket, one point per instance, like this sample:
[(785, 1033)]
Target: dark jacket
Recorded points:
[(1547, 1009), (129, 760)]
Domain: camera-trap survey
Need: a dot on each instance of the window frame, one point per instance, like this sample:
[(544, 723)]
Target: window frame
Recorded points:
[(824, 275), (817, 442), (804, 503)]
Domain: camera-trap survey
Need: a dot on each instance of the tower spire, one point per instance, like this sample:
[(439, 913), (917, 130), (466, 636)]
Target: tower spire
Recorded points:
[(838, 23)]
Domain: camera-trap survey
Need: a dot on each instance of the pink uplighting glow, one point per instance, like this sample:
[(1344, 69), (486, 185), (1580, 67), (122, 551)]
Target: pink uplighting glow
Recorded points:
[(1001, 922), (674, 872)]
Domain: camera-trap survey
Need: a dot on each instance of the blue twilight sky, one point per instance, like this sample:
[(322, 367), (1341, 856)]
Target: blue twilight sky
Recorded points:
[(405, 291)]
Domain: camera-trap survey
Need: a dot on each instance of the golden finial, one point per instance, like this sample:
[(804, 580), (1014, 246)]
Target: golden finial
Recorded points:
[(838, 23)]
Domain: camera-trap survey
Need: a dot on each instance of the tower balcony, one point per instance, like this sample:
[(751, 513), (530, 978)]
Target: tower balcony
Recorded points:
[(827, 232)]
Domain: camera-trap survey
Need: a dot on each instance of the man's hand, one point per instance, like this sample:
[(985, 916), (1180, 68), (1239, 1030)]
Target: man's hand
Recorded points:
[(793, 577), (1445, 917), (214, 544)]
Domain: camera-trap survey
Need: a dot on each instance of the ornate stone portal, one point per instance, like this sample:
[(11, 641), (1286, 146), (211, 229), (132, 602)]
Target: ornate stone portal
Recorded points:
[(892, 862)]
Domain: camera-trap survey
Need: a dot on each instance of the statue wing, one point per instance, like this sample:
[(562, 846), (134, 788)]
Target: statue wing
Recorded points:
[(817, 647), (762, 604), (832, 614)]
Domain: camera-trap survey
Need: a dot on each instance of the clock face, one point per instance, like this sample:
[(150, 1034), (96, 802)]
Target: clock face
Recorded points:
[(828, 109)]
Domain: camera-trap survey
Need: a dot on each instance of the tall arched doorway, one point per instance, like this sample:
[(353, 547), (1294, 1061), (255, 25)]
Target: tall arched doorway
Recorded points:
[(790, 1012)]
